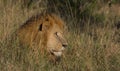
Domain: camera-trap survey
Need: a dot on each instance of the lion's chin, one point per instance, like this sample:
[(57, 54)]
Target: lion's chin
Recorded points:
[(58, 54)]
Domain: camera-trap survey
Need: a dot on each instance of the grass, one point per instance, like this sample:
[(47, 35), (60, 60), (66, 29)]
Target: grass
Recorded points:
[(91, 49)]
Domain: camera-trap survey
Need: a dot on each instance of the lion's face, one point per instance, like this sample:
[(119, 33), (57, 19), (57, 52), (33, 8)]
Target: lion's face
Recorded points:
[(45, 33), (56, 42)]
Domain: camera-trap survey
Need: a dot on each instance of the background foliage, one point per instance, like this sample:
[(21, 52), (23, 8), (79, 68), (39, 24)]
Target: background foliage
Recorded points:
[(93, 34)]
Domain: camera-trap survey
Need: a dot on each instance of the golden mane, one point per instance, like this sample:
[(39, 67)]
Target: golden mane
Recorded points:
[(36, 32)]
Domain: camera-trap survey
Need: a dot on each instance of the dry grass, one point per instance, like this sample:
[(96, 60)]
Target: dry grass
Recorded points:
[(93, 49)]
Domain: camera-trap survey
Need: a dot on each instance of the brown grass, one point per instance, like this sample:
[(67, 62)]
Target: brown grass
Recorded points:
[(93, 49)]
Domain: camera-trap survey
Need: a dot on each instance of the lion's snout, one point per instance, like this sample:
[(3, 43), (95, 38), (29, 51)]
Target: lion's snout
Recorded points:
[(65, 45)]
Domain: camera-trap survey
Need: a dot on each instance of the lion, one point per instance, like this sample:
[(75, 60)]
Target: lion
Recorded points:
[(45, 32)]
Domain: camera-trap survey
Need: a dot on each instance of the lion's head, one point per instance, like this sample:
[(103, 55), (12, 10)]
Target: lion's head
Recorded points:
[(46, 32)]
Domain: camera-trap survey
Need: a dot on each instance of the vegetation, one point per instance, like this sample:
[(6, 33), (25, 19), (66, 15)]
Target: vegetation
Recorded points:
[(93, 34)]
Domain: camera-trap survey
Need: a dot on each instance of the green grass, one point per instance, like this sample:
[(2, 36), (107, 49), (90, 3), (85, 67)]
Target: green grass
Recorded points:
[(91, 49)]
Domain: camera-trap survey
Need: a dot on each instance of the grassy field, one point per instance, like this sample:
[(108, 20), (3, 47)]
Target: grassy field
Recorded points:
[(91, 47)]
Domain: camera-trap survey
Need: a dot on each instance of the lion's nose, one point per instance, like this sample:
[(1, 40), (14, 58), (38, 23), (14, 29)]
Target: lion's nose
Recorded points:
[(65, 45)]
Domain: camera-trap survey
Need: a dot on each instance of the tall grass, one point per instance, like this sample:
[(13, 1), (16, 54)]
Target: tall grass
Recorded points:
[(92, 39)]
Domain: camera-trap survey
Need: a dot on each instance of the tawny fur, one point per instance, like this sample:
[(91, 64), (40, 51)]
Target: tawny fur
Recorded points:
[(31, 34)]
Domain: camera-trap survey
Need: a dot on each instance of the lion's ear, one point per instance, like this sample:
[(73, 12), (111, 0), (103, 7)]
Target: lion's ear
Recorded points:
[(44, 26), (40, 27)]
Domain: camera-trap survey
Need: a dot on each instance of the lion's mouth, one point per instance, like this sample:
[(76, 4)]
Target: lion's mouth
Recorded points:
[(56, 53)]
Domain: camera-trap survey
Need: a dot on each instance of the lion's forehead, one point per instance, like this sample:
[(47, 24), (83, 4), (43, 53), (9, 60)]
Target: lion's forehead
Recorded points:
[(56, 21)]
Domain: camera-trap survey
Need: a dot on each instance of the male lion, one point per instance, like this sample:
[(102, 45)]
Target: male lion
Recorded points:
[(45, 32)]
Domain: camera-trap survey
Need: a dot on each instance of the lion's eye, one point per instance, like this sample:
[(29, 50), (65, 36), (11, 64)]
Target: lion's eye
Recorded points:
[(56, 33)]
